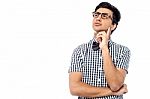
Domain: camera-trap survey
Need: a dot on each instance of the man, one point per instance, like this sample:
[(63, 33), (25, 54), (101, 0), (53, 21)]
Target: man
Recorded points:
[(98, 68)]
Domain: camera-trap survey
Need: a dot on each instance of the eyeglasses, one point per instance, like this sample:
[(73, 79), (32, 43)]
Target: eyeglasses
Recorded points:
[(103, 15)]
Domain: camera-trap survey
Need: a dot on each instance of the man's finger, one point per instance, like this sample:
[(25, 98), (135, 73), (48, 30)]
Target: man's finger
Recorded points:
[(101, 33), (108, 31)]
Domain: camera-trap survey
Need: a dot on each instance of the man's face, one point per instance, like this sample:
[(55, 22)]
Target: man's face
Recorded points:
[(102, 19)]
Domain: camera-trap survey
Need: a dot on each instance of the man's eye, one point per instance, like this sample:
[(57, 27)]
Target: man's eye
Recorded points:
[(96, 15), (104, 15)]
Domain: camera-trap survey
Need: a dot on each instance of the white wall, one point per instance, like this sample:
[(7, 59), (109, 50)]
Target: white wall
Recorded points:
[(37, 38)]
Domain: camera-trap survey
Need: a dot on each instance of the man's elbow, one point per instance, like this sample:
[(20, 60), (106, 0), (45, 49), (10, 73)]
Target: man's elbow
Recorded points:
[(74, 91), (115, 87)]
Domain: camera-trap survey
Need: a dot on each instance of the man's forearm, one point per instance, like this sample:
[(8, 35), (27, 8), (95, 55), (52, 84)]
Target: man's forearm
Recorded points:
[(85, 90), (114, 78)]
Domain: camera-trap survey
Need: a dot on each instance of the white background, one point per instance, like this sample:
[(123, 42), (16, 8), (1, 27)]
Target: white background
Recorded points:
[(37, 38)]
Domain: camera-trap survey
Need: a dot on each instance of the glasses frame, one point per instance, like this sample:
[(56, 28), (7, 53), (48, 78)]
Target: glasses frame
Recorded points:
[(103, 15)]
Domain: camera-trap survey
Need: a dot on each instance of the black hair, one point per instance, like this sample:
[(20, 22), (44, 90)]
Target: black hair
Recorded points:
[(116, 12)]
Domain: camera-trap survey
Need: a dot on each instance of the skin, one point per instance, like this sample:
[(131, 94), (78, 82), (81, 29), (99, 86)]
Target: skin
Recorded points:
[(114, 76), (102, 28)]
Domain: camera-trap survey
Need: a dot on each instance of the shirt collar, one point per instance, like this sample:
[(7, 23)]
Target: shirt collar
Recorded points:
[(110, 42)]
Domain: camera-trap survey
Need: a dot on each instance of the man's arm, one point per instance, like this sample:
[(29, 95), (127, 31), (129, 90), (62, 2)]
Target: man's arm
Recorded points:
[(114, 76), (79, 88)]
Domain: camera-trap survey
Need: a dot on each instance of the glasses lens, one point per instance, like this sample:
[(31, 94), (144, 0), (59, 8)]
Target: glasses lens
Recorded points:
[(95, 14), (104, 16)]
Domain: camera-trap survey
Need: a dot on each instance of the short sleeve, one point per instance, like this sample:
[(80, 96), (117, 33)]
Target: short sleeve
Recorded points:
[(76, 61), (123, 59)]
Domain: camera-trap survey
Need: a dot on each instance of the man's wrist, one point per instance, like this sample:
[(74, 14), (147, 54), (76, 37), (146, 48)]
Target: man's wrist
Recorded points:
[(104, 47)]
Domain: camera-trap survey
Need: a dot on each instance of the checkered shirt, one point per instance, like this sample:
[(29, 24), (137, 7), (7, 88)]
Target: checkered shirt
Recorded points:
[(84, 59)]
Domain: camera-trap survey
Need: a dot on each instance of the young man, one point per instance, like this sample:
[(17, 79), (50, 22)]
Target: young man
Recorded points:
[(98, 68)]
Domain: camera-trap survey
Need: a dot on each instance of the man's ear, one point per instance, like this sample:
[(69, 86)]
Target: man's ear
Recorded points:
[(113, 27)]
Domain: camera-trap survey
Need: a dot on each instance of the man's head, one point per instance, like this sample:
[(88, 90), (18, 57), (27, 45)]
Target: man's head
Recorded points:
[(105, 16)]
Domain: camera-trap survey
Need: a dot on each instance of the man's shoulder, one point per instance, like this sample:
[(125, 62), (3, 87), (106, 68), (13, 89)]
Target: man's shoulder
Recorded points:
[(120, 46), (83, 46)]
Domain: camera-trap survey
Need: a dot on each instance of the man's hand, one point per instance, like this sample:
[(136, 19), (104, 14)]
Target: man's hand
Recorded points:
[(122, 90), (103, 37)]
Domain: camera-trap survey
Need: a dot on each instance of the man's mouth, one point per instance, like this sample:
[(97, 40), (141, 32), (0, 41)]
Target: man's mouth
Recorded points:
[(97, 24)]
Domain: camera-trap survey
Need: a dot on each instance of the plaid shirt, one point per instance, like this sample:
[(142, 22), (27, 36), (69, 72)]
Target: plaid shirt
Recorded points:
[(90, 63)]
